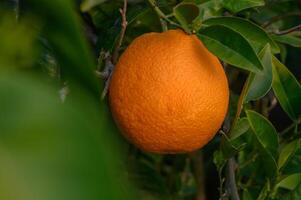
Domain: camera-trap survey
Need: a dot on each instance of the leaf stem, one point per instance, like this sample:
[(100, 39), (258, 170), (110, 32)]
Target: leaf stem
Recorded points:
[(278, 18), (240, 103), (284, 32)]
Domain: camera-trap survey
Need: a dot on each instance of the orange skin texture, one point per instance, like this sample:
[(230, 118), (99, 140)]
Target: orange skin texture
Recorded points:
[(168, 93)]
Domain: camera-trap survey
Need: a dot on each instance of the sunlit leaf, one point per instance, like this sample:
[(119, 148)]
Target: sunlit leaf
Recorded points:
[(290, 182), (294, 194), (287, 89), (233, 49), (257, 36)]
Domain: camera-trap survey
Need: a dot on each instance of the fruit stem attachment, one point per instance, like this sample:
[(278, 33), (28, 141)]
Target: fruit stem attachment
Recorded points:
[(162, 17)]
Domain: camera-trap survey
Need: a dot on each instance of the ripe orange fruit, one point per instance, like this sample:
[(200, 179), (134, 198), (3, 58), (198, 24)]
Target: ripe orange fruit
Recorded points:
[(168, 93)]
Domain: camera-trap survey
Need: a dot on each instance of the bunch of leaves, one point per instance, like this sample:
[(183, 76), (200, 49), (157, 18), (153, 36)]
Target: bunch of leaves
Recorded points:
[(246, 36)]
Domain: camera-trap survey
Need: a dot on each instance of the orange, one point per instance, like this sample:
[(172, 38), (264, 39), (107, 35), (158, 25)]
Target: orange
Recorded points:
[(168, 93)]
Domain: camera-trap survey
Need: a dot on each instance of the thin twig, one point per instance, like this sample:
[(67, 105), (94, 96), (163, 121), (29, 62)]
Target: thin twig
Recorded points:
[(106, 75), (231, 182), (161, 15), (110, 62), (240, 104), (122, 33), (279, 17), (284, 32), (273, 104), (198, 169), (293, 125)]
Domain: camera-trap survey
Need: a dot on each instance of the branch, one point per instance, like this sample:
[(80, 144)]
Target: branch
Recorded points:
[(197, 161), (122, 33), (161, 15), (230, 172), (293, 125), (284, 32), (231, 182), (279, 17), (106, 74)]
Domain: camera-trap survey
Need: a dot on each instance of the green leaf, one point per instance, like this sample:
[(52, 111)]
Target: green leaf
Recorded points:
[(257, 36), (219, 159), (290, 182), (261, 83), (18, 42), (211, 8), (287, 152), (287, 89), (63, 32), (288, 39), (231, 147), (241, 127), (86, 5), (246, 195), (233, 49), (54, 150), (186, 13), (234, 144), (267, 139), (264, 191), (236, 6), (294, 194), (264, 131), (292, 153)]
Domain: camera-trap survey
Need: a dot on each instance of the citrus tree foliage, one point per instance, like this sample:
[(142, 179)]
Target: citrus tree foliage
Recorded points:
[(57, 138)]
